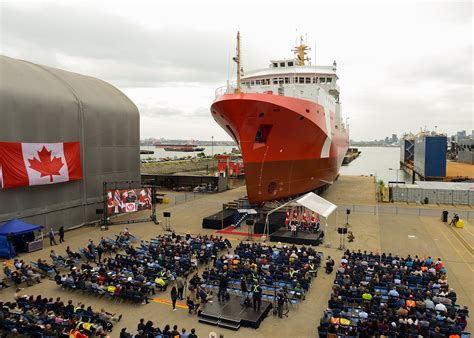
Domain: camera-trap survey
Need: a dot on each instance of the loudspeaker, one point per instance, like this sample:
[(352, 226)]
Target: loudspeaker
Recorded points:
[(166, 214), (342, 230), (348, 211), (99, 211), (249, 221)]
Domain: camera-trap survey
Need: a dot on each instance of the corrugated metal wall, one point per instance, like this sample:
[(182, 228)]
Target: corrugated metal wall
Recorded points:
[(430, 155), (43, 104)]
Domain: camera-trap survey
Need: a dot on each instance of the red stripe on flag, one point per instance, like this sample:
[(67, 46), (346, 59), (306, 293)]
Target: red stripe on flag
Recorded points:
[(13, 166), (72, 153)]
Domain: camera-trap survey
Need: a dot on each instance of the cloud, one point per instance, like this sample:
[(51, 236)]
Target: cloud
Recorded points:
[(111, 47)]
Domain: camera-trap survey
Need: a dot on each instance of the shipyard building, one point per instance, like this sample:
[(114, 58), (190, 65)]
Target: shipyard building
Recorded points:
[(43, 105)]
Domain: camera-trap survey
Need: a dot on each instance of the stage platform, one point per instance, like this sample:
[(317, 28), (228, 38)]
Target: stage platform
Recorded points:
[(231, 315), (219, 220), (285, 236)]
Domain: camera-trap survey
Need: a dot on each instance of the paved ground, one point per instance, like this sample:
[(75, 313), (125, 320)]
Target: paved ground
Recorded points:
[(400, 234)]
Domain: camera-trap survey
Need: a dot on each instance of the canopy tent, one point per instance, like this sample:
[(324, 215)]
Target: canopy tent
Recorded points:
[(14, 228), (18, 227), (317, 204), (309, 201)]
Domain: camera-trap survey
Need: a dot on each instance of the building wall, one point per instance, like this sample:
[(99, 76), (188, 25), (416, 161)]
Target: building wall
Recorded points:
[(466, 151), (43, 104)]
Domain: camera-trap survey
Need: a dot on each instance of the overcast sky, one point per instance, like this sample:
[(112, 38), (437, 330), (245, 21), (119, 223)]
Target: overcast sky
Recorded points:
[(401, 65)]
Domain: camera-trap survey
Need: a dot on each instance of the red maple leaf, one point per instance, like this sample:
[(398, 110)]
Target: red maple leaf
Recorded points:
[(45, 166)]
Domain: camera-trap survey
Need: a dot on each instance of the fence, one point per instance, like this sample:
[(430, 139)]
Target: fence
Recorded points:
[(185, 197), (397, 210)]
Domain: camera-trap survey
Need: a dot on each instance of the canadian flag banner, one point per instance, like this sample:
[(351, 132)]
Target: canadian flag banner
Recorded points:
[(25, 164)]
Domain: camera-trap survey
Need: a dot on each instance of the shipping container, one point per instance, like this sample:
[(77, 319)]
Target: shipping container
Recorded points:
[(430, 155)]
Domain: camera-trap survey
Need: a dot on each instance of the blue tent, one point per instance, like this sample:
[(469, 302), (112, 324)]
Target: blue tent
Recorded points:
[(16, 228)]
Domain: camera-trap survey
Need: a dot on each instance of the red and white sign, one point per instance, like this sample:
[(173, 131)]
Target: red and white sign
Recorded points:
[(130, 207), (25, 164)]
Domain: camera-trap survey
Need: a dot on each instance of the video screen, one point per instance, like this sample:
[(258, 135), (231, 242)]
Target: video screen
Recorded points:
[(121, 201)]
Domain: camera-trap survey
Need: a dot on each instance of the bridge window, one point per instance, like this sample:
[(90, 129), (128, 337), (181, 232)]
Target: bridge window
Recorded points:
[(290, 64), (275, 64), (308, 80), (280, 80), (301, 80), (282, 64), (252, 82), (287, 80), (329, 80), (315, 80), (257, 82), (275, 80), (322, 80)]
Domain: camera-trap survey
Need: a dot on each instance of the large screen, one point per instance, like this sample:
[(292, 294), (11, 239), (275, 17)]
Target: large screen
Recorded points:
[(128, 200)]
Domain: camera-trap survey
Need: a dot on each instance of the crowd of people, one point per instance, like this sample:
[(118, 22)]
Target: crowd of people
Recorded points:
[(149, 330), (30, 316), (257, 271), (388, 295), (140, 271), (21, 272)]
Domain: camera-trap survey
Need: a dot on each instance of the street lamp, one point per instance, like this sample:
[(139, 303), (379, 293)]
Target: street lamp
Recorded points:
[(212, 145), (396, 170)]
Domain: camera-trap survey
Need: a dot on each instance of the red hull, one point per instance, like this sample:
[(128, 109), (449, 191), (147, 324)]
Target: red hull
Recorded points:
[(286, 160)]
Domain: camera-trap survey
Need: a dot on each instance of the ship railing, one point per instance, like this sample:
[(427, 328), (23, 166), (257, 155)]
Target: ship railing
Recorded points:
[(228, 89)]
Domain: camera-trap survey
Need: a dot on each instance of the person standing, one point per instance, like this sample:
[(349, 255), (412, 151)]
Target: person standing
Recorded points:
[(51, 237), (244, 290), (293, 228), (61, 234), (257, 296), (174, 297), (180, 283), (222, 287)]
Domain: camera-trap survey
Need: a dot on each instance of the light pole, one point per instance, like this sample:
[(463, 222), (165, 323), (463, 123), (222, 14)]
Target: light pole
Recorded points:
[(212, 145), (396, 170)]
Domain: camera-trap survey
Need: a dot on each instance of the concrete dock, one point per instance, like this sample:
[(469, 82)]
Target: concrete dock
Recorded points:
[(398, 233)]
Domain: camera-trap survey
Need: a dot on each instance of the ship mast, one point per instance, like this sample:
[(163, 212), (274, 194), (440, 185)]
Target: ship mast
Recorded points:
[(300, 52), (237, 60)]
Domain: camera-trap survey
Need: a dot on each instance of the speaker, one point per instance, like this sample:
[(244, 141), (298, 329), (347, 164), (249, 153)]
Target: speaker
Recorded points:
[(348, 211), (99, 211), (249, 221), (342, 230), (166, 214)]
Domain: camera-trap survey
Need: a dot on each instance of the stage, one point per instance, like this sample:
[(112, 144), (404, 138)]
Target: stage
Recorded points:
[(285, 236), (219, 220), (231, 315)]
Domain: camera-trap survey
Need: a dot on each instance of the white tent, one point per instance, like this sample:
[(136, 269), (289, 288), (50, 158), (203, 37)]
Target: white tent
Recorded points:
[(317, 204), (310, 201)]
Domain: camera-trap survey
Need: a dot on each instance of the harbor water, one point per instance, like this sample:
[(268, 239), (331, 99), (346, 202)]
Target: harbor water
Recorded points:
[(161, 153), (381, 162)]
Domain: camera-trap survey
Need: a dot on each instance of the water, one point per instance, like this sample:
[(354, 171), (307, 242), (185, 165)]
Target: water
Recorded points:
[(160, 152), (376, 161), (372, 161)]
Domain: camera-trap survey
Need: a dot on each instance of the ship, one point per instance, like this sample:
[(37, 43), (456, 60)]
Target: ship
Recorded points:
[(184, 148), (286, 120)]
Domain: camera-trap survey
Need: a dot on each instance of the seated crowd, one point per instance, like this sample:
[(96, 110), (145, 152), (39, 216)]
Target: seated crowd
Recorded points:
[(149, 330), (153, 265), (375, 295), (269, 266), (20, 272), (30, 316)]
